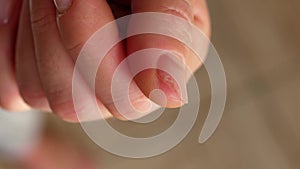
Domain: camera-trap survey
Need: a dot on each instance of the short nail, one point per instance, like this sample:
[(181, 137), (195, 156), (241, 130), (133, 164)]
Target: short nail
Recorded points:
[(5, 11), (172, 77), (62, 5)]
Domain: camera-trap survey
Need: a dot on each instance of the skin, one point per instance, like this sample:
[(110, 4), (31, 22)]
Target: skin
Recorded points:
[(39, 49), (55, 152)]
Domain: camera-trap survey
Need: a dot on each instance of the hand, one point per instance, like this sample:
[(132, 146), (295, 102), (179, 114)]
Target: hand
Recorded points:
[(48, 37)]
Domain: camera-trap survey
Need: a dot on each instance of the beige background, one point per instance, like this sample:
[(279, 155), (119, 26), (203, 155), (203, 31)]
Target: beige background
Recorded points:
[(259, 44)]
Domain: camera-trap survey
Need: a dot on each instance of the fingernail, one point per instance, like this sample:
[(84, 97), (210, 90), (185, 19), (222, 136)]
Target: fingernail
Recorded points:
[(5, 11), (62, 5), (171, 77)]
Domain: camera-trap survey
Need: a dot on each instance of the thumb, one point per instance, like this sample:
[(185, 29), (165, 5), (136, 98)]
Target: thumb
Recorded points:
[(172, 63)]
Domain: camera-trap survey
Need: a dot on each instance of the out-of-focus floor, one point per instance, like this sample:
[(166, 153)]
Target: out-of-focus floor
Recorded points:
[(259, 44)]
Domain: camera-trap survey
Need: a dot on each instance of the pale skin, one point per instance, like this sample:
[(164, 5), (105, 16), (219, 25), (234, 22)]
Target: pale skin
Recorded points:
[(39, 50), (38, 53)]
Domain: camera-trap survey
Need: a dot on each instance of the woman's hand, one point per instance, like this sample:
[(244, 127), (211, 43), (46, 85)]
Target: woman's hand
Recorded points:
[(39, 50)]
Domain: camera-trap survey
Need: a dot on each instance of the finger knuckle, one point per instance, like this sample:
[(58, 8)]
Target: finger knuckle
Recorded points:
[(74, 50), (42, 19)]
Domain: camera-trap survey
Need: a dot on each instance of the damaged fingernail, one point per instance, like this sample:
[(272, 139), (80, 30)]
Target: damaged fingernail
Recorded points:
[(171, 77)]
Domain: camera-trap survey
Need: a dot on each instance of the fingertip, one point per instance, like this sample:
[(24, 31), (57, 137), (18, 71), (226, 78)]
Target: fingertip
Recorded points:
[(13, 103), (64, 110), (153, 80), (35, 98)]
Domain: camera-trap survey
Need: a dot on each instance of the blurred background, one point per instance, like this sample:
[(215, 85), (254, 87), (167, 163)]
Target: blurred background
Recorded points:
[(259, 45)]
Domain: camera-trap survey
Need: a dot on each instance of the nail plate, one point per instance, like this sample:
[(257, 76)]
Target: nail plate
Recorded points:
[(62, 5), (172, 77)]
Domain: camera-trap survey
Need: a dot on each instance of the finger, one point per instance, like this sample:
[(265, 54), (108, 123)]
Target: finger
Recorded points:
[(77, 23), (54, 64), (26, 68), (194, 11), (10, 98)]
